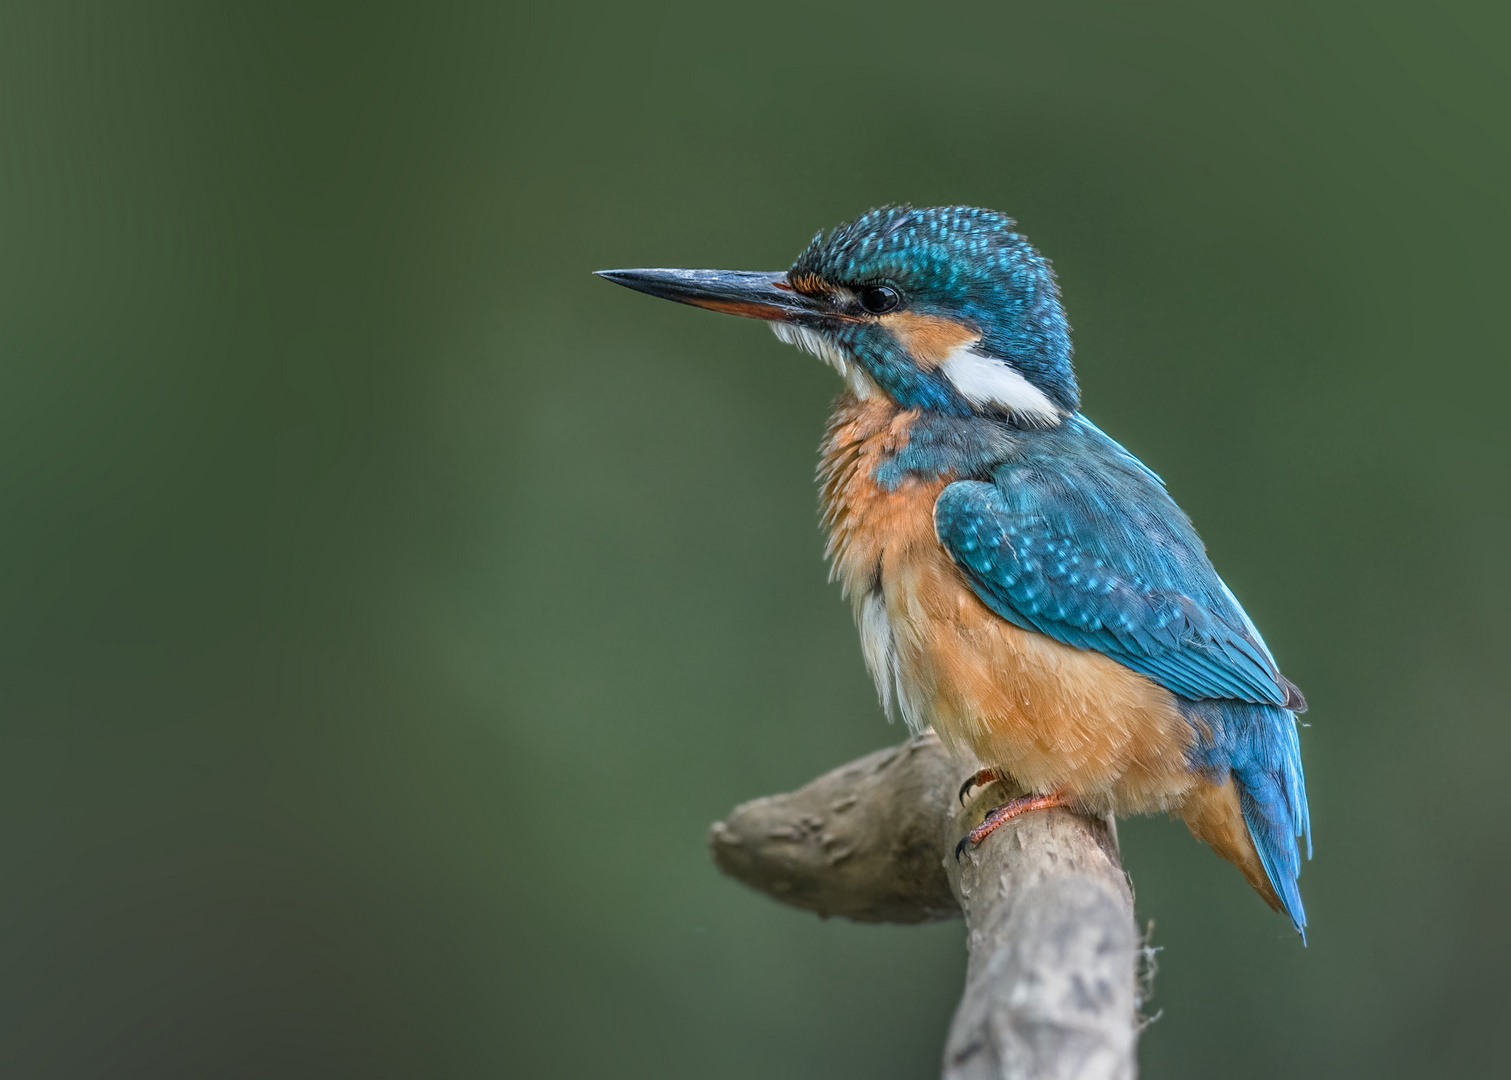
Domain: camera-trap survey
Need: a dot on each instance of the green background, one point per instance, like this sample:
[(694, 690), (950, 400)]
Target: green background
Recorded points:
[(387, 606)]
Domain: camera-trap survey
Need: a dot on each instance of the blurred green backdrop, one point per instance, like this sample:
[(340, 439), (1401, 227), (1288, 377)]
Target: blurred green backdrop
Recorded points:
[(387, 606)]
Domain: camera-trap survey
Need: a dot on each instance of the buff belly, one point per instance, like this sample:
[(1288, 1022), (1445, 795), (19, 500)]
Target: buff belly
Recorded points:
[(1056, 717)]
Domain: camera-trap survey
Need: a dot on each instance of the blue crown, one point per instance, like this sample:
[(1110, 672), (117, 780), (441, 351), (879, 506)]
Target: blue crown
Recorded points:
[(960, 262)]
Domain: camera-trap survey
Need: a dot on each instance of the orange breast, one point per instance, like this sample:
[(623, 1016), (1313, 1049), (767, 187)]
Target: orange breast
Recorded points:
[(1052, 715)]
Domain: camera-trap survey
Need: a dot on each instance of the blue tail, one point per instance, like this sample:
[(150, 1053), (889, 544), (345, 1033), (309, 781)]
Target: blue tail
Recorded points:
[(1258, 744)]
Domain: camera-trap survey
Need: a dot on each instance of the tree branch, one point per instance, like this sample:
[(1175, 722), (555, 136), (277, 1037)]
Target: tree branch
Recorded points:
[(1049, 989)]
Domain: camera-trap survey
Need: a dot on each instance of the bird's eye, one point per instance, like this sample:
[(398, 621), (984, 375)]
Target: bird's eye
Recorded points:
[(879, 299)]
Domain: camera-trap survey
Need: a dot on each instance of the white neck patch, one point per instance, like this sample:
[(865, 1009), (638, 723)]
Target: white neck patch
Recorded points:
[(985, 380), (811, 341)]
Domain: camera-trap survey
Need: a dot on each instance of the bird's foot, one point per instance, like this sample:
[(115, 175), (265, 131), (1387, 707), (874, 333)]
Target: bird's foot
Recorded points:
[(1001, 815), (988, 775)]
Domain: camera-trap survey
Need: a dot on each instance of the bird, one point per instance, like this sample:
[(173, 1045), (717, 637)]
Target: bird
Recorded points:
[(1022, 584)]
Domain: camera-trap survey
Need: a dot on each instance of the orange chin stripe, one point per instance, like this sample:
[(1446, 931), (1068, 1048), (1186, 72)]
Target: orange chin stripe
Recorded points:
[(929, 338)]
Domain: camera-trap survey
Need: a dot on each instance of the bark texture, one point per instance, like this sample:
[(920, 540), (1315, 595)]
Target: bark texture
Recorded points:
[(1050, 983)]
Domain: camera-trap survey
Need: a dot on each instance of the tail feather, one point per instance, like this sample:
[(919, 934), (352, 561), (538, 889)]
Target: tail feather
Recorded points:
[(1272, 828), (1258, 746)]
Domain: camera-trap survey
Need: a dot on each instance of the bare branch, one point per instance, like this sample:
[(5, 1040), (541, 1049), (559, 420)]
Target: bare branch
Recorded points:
[(1050, 988), (862, 841)]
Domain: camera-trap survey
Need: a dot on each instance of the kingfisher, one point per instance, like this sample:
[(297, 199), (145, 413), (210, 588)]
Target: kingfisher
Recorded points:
[(1022, 583)]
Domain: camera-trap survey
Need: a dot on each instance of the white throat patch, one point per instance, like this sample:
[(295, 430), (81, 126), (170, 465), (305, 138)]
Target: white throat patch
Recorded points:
[(811, 341), (985, 380)]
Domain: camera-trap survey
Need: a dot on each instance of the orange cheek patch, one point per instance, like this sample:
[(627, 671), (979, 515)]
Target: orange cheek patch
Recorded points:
[(929, 338)]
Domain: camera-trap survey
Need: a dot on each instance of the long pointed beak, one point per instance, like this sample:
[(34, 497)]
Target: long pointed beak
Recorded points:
[(755, 294)]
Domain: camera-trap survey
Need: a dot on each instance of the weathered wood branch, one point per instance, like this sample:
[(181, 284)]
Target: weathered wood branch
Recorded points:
[(1050, 980)]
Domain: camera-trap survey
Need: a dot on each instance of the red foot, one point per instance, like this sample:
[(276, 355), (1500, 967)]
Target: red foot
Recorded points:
[(1001, 815)]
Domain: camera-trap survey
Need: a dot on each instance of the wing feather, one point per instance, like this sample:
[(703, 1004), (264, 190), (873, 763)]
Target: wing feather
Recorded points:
[(1089, 549)]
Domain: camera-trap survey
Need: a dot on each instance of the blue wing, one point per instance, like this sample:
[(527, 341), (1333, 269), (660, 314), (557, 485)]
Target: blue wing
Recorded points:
[(1075, 538)]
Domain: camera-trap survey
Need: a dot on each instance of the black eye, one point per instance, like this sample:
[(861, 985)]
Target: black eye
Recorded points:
[(879, 299)]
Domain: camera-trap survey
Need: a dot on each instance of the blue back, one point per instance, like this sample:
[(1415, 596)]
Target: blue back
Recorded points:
[(1075, 538), (1064, 532)]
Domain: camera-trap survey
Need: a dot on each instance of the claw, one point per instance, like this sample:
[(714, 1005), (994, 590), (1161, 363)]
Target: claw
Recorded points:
[(980, 778), (960, 847)]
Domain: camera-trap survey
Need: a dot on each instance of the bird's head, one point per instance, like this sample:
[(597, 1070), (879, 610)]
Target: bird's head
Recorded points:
[(946, 309)]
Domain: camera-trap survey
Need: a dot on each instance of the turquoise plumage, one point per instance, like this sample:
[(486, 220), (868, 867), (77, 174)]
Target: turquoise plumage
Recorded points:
[(1023, 583)]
